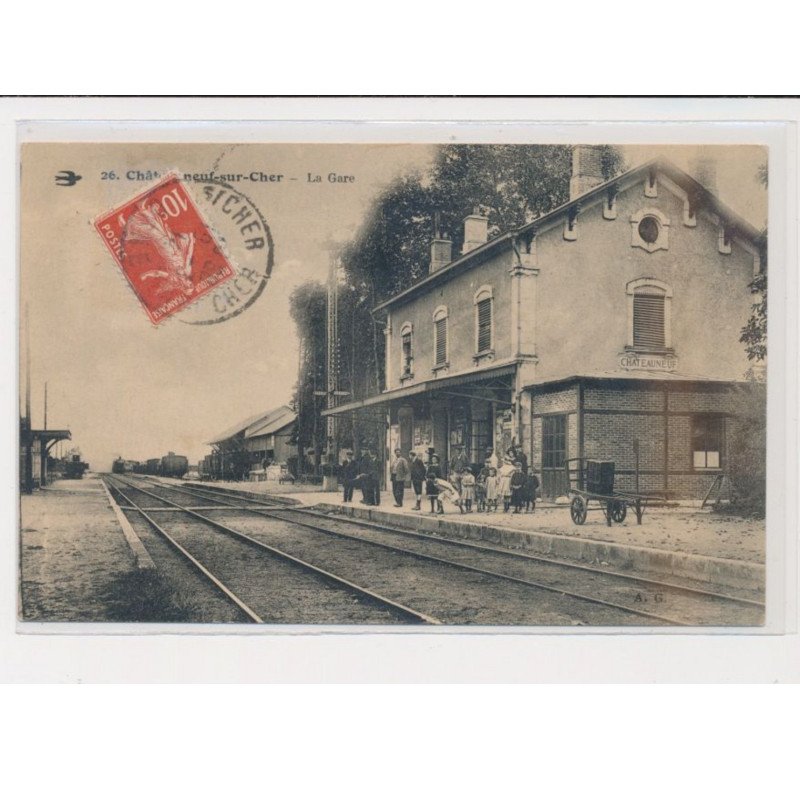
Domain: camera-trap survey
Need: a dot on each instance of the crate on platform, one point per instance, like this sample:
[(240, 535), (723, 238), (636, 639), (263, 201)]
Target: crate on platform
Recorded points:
[(600, 477)]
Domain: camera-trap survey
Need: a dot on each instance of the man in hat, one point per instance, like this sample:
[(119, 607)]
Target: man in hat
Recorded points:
[(400, 473), (457, 467), (348, 471), (418, 471)]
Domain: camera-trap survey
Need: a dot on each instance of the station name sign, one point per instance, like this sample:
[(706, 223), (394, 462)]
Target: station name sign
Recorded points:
[(657, 363)]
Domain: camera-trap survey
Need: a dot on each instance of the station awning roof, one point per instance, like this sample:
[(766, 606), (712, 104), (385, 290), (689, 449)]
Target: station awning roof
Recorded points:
[(275, 421), (258, 424), (54, 435), (473, 377)]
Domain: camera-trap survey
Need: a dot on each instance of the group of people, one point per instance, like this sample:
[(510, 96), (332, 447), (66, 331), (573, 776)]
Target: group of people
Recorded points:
[(363, 473), (503, 483), (507, 483)]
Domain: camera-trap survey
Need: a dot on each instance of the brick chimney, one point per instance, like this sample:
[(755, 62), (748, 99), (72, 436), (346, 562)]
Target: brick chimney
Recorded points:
[(586, 169), (441, 252), (476, 231), (704, 170)]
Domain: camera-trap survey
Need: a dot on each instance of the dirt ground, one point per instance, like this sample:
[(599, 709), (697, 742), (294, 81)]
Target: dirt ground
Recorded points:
[(71, 543)]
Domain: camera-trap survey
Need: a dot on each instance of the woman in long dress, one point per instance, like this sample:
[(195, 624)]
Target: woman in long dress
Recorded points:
[(504, 489)]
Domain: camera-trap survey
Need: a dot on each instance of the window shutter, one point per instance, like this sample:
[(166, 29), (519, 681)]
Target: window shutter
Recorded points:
[(441, 340), (485, 325), (648, 321), (407, 355)]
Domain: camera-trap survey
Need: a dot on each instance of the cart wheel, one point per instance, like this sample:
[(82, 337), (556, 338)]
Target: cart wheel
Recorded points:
[(577, 510), (619, 511)]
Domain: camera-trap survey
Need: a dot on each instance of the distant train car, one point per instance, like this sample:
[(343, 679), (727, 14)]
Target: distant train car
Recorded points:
[(118, 467), (153, 466), (173, 466), (206, 468), (75, 468)]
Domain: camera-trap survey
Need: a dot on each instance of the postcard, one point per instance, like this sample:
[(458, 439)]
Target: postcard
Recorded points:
[(394, 384)]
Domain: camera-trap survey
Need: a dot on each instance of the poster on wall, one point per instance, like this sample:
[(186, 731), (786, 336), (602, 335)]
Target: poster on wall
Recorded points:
[(502, 430), (423, 435), (394, 438)]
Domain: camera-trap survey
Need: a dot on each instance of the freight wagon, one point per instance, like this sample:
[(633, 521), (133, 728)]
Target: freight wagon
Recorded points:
[(121, 466), (173, 466)]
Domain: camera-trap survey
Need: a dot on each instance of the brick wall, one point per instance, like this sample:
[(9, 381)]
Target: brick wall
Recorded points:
[(637, 413), (698, 402), (535, 457), (631, 398), (610, 437), (679, 456), (555, 402)]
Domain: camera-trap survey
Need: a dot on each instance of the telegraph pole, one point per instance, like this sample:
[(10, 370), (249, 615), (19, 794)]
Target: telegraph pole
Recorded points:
[(28, 443), (333, 351)]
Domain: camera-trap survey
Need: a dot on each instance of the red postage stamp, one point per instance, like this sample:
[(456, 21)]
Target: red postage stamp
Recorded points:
[(165, 248)]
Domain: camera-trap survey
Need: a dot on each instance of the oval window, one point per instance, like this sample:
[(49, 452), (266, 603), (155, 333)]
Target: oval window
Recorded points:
[(649, 230)]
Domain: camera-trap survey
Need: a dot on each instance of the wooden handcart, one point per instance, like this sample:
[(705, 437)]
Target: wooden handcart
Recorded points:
[(592, 482)]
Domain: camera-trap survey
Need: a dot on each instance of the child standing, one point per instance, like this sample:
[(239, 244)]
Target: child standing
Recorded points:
[(467, 489), (431, 486), (531, 487), (491, 490), (517, 487), (480, 488)]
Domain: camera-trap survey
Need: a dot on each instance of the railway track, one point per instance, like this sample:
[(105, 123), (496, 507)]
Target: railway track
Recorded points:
[(218, 494), (197, 550), (657, 601)]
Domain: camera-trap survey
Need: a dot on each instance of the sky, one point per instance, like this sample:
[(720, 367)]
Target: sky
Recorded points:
[(127, 388)]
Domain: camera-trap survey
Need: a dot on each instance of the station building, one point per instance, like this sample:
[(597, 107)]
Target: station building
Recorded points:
[(264, 438), (608, 328), (34, 451)]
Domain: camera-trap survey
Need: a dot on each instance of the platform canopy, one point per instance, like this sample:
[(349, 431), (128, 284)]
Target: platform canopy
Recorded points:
[(477, 377)]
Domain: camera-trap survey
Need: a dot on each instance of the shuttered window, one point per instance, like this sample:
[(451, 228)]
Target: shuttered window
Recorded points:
[(440, 336), (648, 320), (485, 325), (408, 358)]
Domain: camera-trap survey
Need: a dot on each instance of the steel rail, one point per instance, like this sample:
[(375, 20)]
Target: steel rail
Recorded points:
[(675, 587), (464, 567), (204, 570), (309, 567)]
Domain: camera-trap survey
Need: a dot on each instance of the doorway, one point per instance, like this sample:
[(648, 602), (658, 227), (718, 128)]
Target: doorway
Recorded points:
[(554, 453)]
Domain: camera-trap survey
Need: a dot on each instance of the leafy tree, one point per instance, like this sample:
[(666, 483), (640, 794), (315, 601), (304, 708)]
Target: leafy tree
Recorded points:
[(747, 462), (754, 333), (747, 456), (307, 306)]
